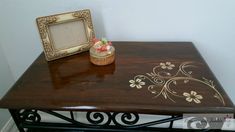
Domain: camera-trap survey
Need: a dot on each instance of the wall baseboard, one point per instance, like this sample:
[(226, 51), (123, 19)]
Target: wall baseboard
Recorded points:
[(9, 126)]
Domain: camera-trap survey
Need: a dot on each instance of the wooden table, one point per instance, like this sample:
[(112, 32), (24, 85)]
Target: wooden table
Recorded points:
[(163, 78)]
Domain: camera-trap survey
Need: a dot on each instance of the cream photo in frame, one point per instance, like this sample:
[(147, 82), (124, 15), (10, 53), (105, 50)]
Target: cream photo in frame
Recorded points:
[(66, 34)]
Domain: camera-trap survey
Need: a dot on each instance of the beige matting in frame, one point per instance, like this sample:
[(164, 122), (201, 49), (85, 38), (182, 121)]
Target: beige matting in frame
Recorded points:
[(66, 34)]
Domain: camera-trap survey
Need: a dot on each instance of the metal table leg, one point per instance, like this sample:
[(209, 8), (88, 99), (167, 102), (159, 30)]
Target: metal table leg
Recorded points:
[(16, 118)]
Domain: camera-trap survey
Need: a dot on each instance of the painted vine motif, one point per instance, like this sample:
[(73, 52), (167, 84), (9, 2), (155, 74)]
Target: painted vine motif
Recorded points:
[(161, 79)]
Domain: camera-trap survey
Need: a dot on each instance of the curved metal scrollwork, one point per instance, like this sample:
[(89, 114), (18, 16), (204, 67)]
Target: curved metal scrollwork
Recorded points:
[(98, 118), (30, 116), (126, 119), (197, 122)]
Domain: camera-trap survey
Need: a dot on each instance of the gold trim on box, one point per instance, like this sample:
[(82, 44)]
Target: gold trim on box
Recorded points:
[(43, 24), (102, 60)]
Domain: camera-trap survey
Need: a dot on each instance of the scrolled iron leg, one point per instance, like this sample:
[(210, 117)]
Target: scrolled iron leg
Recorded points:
[(16, 118), (171, 123)]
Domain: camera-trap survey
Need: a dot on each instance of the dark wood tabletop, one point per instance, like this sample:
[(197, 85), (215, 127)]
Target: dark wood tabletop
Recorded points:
[(146, 77)]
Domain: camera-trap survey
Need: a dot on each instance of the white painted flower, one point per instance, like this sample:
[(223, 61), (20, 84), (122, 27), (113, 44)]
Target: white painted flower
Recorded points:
[(167, 65), (136, 83), (193, 96)]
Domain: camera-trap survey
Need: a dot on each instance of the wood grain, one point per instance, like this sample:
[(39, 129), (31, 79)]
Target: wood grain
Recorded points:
[(73, 83)]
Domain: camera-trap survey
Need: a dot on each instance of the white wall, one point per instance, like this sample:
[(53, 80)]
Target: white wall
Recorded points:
[(6, 81), (207, 23)]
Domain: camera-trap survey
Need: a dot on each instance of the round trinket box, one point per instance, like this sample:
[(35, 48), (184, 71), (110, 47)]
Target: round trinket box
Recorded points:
[(102, 52)]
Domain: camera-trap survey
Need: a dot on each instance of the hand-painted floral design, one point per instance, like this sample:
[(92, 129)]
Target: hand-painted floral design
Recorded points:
[(163, 81), (193, 96), (167, 65), (136, 83)]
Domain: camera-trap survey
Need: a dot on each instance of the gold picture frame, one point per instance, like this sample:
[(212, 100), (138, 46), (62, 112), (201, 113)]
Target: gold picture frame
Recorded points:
[(66, 34)]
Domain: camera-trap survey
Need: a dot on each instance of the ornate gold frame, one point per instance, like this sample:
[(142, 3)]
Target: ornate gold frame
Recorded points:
[(45, 22)]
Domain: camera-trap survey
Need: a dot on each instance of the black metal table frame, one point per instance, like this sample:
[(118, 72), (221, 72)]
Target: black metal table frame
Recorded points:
[(31, 119)]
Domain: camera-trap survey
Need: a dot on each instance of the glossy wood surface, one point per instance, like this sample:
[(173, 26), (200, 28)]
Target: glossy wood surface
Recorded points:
[(73, 83)]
